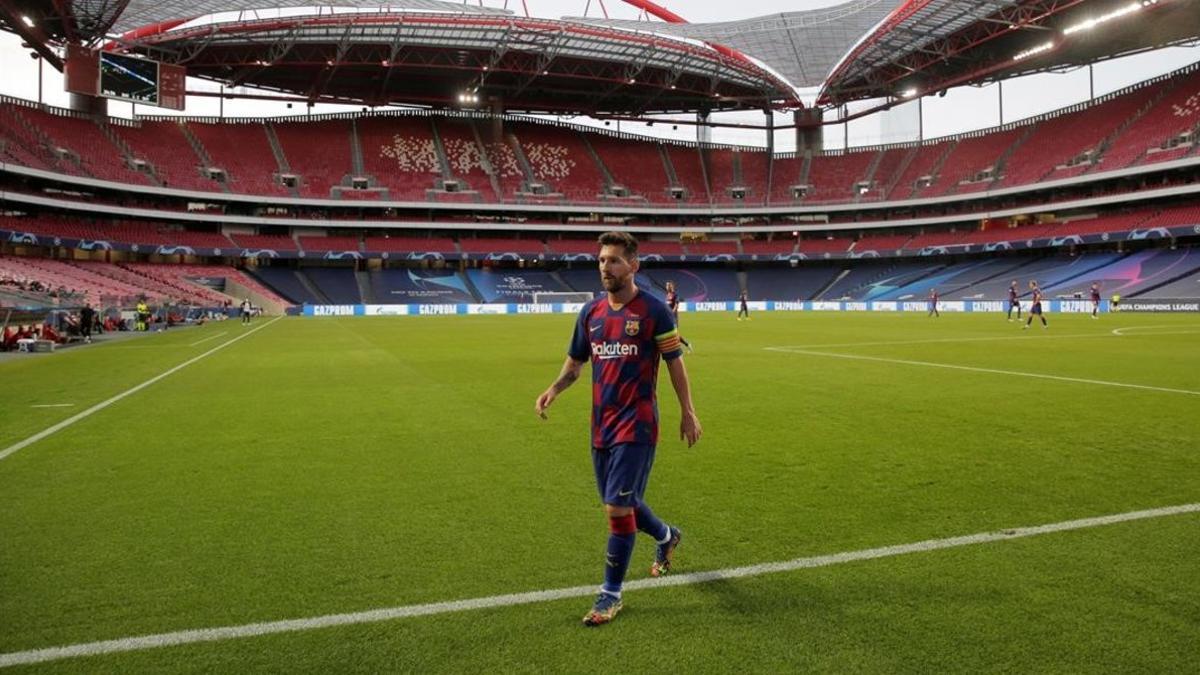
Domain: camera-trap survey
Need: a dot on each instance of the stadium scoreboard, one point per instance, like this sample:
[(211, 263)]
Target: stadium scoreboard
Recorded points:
[(125, 77)]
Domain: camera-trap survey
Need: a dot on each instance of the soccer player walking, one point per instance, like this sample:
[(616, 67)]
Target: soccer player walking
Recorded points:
[(624, 334), (1095, 299), (744, 309), (1035, 306), (673, 304), (933, 301), (1013, 302)]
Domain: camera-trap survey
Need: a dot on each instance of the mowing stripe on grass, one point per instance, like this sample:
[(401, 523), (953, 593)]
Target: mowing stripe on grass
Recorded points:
[(372, 616), (104, 404), (210, 337), (993, 371)]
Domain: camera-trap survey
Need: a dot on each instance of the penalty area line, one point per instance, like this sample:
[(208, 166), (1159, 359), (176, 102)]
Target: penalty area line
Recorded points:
[(132, 390), (200, 635)]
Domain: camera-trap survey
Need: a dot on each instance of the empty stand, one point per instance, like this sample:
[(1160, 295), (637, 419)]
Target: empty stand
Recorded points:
[(243, 152), (689, 171), (319, 152), (788, 284), (559, 158), (634, 165), (97, 155), (832, 178), (1142, 141), (968, 161), (164, 146)]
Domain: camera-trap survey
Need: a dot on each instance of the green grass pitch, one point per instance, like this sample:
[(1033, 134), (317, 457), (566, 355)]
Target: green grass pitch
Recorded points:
[(322, 466)]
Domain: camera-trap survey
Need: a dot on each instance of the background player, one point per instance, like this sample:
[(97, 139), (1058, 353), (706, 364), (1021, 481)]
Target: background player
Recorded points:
[(933, 301), (1013, 302), (744, 310), (624, 334), (1035, 305), (673, 304), (1095, 299)]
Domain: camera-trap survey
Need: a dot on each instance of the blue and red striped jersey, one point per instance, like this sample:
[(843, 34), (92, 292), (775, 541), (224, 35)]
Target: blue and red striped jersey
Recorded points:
[(624, 346)]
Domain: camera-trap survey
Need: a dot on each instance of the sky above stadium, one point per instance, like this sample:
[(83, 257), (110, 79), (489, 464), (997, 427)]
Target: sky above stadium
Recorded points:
[(963, 109)]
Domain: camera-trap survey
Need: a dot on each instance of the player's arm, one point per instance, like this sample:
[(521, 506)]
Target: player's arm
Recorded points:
[(689, 424), (566, 377)]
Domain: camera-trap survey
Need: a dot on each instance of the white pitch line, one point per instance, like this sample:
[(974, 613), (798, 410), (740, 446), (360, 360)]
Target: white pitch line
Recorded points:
[(210, 337), (133, 390), (994, 371), (52, 405), (884, 343), (198, 635), (1121, 332)]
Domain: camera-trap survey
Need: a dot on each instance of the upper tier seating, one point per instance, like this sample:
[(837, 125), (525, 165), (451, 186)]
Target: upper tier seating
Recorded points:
[(560, 159), (243, 151), (649, 180), (399, 153), (318, 152), (1176, 112), (402, 159), (165, 147)]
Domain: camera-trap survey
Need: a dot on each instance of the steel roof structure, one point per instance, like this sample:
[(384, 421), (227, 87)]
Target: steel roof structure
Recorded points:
[(802, 46), (926, 46), (414, 56)]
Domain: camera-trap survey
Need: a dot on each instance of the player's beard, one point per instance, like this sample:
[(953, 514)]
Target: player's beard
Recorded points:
[(615, 284)]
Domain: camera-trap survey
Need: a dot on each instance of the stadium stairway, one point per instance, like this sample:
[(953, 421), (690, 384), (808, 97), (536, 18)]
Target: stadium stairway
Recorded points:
[(486, 162), (560, 281), (356, 153), (280, 158), (514, 144), (824, 289), (591, 152), (127, 153), (672, 177), (365, 290), (470, 285), (311, 287)]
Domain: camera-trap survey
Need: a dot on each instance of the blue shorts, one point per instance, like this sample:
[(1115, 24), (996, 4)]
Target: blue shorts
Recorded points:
[(622, 472), (1036, 308)]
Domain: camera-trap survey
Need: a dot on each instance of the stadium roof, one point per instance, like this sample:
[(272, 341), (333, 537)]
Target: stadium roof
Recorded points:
[(801, 46), (926, 46), (435, 57)]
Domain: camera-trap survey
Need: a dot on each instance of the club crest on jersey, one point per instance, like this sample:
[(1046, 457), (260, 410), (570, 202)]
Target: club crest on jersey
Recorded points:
[(632, 327)]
